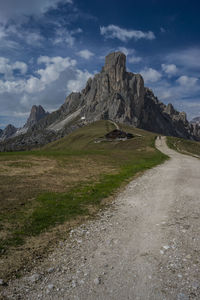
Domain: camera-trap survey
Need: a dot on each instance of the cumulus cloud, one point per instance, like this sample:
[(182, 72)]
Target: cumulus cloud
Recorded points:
[(53, 67), (45, 77), (150, 75), (78, 83), (53, 79), (113, 31), (7, 68), (86, 54), (187, 81), (11, 9), (178, 94), (170, 69), (131, 53), (9, 34)]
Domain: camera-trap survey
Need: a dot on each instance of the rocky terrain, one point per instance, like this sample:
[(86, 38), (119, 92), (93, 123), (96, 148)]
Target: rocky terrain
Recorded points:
[(145, 246), (113, 94), (195, 124), (37, 113), (9, 131)]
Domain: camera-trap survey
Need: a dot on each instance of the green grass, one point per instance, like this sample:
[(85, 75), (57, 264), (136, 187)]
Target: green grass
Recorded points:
[(47, 209), (184, 146)]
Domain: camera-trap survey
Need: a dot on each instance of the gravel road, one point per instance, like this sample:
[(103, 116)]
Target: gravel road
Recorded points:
[(145, 246)]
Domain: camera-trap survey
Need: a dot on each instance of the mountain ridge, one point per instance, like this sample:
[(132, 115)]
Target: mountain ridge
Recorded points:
[(113, 94)]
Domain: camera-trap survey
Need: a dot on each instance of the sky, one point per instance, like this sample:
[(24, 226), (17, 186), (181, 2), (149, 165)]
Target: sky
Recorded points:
[(49, 48)]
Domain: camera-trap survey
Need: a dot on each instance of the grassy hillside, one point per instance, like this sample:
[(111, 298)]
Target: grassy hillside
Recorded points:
[(45, 192), (184, 146)]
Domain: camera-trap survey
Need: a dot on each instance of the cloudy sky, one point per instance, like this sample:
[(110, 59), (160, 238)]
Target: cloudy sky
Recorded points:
[(49, 48)]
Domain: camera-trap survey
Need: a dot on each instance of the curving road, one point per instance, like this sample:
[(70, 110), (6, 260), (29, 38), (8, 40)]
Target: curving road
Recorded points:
[(145, 246)]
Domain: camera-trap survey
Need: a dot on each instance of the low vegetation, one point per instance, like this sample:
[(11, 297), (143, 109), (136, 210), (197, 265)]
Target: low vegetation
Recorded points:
[(184, 146), (45, 192)]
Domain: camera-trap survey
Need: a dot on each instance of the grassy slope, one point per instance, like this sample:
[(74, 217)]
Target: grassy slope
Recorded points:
[(184, 146), (65, 179)]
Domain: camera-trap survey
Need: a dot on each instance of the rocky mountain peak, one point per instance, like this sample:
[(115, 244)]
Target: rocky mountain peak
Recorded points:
[(8, 131), (115, 61), (112, 94), (115, 68), (37, 113)]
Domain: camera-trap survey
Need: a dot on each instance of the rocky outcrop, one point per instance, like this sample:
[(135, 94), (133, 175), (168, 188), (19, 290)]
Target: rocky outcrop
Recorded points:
[(9, 131), (37, 113), (195, 125), (121, 96), (113, 94)]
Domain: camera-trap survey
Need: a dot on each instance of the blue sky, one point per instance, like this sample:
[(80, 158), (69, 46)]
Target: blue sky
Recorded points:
[(49, 48)]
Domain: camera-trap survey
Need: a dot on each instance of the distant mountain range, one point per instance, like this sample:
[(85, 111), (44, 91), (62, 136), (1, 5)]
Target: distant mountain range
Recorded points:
[(113, 94)]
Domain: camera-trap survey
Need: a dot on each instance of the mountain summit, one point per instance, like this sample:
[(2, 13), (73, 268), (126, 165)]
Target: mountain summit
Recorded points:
[(37, 113), (113, 94)]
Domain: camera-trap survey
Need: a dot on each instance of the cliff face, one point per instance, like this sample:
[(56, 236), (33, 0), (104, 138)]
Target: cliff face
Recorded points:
[(37, 113), (195, 124), (9, 131), (121, 96), (113, 94)]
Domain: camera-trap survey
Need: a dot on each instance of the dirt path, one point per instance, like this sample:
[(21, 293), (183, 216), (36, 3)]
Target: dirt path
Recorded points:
[(146, 246), (115, 124)]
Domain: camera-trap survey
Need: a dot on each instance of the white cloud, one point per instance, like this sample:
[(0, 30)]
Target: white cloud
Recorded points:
[(7, 68), (21, 66), (188, 58), (75, 85), (150, 75), (177, 94), (2, 33), (135, 59), (86, 54), (170, 69), (11, 32), (113, 31), (187, 81), (52, 81), (66, 36), (131, 53), (33, 38), (54, 66), (125, 50), (9, 86), (11, 9)]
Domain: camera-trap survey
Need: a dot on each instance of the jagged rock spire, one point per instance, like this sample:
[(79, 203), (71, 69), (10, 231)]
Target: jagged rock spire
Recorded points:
[(115, 61), (115, 67), (37, 113)]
